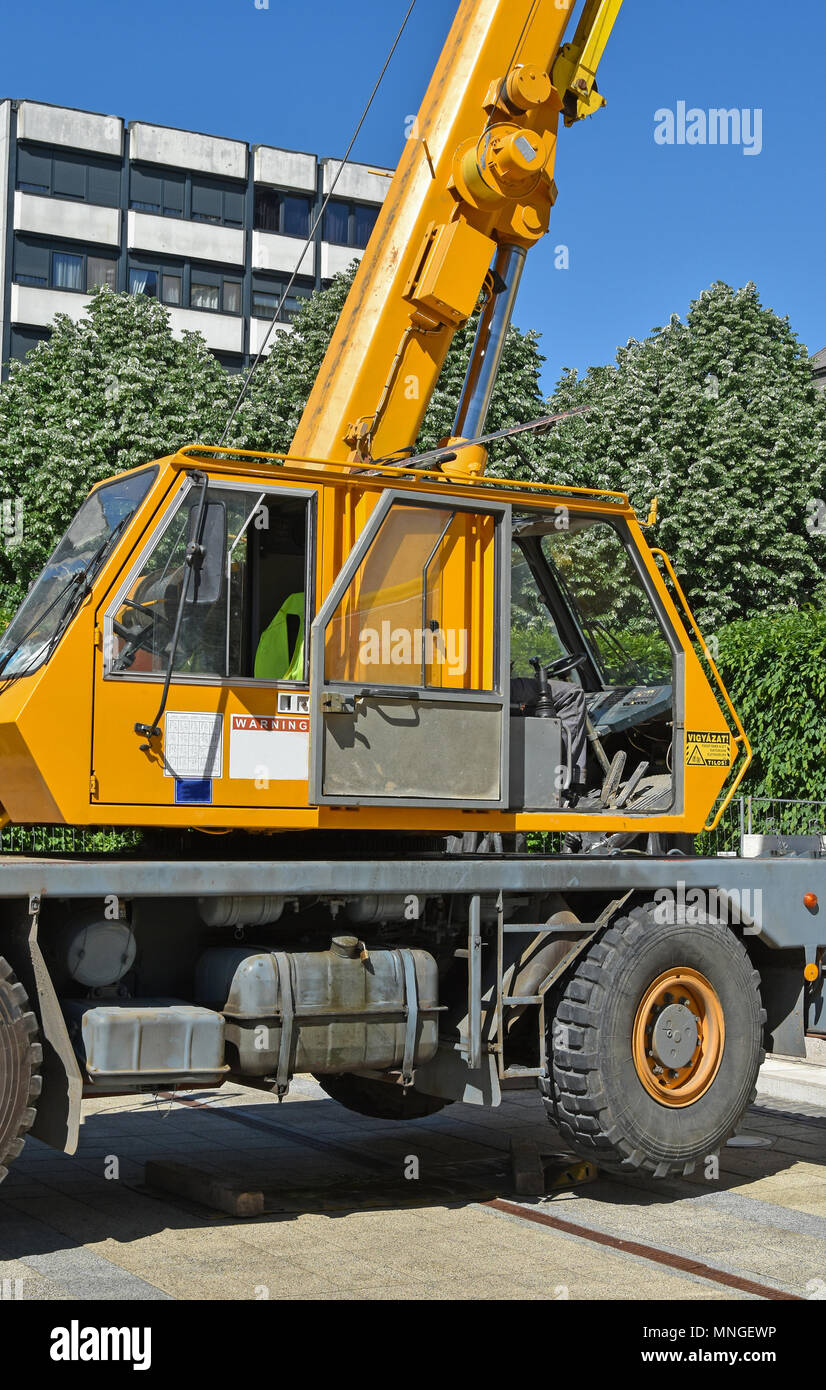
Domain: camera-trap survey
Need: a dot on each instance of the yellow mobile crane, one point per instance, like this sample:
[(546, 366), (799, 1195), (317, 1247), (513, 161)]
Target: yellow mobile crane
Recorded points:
[(309, 656)]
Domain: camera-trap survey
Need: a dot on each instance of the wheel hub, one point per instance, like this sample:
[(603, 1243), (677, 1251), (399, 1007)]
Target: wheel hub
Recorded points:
[(678, 1037), (674, 1037)]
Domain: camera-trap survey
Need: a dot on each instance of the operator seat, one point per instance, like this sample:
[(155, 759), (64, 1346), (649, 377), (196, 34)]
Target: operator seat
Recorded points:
[(274, 659)]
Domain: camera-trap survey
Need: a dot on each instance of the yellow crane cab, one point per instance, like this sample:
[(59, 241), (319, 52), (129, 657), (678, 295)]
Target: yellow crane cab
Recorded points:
[(239, 641)]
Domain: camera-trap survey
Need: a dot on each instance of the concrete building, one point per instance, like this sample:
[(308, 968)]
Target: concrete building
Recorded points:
[(212, 227), (819, 369)]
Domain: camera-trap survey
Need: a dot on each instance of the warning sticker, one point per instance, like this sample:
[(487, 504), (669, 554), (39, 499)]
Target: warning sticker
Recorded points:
[(704, 749), (269, 748)]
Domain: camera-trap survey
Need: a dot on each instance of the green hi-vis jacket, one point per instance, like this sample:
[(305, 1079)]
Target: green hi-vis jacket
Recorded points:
[(272, 660)]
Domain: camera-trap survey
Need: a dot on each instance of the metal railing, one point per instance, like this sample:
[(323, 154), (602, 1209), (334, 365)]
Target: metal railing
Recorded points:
[(745, 815), (763, 815)]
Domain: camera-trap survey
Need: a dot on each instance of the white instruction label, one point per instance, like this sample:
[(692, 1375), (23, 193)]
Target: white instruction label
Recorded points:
[(193, 745)]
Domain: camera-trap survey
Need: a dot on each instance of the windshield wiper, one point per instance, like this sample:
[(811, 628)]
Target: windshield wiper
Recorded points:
[(4, 661), (81, 578)]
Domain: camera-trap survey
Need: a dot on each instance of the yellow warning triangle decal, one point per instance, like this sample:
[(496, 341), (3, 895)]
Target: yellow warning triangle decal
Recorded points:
[(695, 758)]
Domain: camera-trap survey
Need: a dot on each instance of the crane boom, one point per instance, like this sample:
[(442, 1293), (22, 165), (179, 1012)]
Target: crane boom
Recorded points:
[(472, 193)]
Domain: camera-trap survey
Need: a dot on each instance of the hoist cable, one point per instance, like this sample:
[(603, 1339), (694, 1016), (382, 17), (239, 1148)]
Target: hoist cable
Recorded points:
[(308, 243)]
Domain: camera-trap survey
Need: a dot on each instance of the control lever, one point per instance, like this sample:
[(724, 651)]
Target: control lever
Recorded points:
[(632, 784), (613, 777), (545, 707), (596, 743)]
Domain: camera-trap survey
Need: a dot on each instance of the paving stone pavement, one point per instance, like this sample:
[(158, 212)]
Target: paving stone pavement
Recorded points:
[(87, 1227)]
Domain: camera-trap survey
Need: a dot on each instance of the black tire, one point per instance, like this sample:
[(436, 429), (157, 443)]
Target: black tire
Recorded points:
[(20, 1058), (381, 1100), (597, 1100)]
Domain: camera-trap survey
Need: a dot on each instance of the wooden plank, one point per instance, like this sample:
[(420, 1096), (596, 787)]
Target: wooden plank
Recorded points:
[(528, 1171), (185, 1181)]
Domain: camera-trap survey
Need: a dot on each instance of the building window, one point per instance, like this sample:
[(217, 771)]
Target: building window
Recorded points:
[(232, 296), (337, 223), (23, 340), (164, 194), (37, 264), (364, 220), (32, 263), (155, 281), (203, 296), (60, 174), (100, 270), (221, 204), (209, 291), (267, 293), (67, 271), (214, 293), (285, 213), (349, 224), (34, 171), (161, 194), (144, 282), (264, 304), (171, 289)]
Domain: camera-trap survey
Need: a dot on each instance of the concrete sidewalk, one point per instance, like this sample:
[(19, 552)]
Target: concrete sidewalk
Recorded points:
[(794, 1080)]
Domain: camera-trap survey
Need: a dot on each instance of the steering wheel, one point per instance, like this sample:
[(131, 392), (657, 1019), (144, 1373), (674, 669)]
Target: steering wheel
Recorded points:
[(564, 665), (152, 612), (135, 640)]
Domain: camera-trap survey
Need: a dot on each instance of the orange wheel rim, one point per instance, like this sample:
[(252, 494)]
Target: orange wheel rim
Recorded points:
[(678, 1038)]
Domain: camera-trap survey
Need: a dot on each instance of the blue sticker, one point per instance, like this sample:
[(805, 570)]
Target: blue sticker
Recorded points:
[(193, 793)]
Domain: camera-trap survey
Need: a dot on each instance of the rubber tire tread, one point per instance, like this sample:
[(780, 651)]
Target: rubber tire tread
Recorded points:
[(20, 1057), (595, 1097)]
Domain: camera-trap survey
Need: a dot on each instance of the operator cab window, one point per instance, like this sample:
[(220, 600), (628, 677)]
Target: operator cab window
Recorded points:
[(246, 611), (582, 614), (576, 590)]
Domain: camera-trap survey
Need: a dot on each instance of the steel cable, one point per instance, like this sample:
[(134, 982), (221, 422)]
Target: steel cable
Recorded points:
[(308, 243)]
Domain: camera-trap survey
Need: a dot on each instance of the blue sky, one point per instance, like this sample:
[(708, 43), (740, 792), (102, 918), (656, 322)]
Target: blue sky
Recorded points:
[(648, 226)]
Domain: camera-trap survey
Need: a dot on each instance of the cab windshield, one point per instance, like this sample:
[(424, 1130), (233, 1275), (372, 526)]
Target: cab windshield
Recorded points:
[(39, 622)]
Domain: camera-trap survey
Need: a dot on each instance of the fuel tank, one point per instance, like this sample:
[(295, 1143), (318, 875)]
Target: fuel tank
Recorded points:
[(345, 1009)]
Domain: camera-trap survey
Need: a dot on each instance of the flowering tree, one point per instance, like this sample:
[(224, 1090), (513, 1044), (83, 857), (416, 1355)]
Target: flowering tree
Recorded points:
[(719, 418), (102, 395)]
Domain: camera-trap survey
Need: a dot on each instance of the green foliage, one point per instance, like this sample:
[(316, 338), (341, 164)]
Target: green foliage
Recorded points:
[(68, 839), (775, 670), (718, 416), (269, 414), (102, 395)]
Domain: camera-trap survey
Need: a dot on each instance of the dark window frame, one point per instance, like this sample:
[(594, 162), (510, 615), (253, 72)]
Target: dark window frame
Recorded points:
[(164, 208), (276, 285), (216, 278), (188, 272), (77, 159), (280, 193), (83, 254), (158, 269), (352, 204), (188, 181), (226, 188)]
